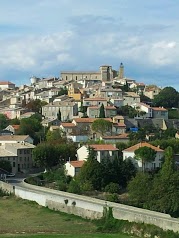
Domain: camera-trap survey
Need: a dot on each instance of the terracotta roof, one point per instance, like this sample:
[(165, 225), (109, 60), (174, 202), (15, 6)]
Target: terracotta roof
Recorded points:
[(77, 164), (16, 127), (120, 124), (142, 144), (66, 124), (104, 147), (95, 99), (159, 109), (6, 83), (89, 120)]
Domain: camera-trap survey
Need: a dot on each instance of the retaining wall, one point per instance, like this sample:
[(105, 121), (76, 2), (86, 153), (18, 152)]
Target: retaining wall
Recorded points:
[(92, 208)]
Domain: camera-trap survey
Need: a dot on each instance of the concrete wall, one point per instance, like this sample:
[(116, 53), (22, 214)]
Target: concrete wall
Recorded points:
[(6, 187), (90, 207)]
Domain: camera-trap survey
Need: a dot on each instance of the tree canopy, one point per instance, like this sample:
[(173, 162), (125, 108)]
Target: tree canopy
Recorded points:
[(167, 97), (101, 126), (35, 105), (145, 154), (101, 111), (3, 121)]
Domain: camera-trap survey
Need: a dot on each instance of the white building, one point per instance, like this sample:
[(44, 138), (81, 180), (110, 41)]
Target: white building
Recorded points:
[(129, 153), (102, 152), (73, 167)]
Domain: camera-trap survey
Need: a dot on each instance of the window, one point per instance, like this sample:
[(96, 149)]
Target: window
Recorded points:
[(14, 164)]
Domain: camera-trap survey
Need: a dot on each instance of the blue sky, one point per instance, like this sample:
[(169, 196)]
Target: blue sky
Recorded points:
[(44, 37)]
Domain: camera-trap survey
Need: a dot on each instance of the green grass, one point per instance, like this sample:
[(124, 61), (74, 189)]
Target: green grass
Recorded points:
[(68, 236), (25, 219)]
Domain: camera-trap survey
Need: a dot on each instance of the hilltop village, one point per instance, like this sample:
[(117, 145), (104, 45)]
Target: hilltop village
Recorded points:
[(94, 131), (72, 104)]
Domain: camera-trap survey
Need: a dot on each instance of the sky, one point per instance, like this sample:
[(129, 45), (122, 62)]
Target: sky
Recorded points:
[(44, 37)]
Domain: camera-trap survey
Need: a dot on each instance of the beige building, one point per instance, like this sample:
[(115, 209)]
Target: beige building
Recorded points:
[(130, 98), (15, 139), (95, 102), (19, 155), (105, 73), (6, 85), (67, 109), (94, 111), (110, 93)]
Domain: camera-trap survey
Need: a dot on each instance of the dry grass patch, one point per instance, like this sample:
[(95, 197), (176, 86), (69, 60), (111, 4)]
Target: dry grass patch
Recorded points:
[(18, 216)]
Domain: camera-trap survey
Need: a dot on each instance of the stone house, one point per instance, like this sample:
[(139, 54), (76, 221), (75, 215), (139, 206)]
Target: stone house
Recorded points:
[(97, 102), (94, 111), (68, 110), (130, 98), (19, 155)]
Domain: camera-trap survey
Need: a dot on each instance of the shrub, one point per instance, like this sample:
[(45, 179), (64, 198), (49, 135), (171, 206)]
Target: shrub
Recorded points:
[(87, 186), (74, 187), (112, 197), (112, 188), (62, 186)]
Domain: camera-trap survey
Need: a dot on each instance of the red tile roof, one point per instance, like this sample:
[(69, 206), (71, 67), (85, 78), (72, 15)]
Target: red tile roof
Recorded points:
[(120, 124), (6, 83), (159, 109), (77, 164), (142, 144), (66, 124), (16, 127), (104, 147), (89, 120)]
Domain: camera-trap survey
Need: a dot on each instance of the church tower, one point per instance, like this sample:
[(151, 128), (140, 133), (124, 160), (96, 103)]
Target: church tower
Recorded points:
[(121, 71)]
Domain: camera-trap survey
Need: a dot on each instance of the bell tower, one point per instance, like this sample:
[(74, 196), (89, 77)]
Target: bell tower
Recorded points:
[(121, 71)]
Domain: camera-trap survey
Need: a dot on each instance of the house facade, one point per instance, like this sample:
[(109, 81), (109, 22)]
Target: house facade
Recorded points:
[(19, 155), (129, 153), (72, 168), (102, 152)]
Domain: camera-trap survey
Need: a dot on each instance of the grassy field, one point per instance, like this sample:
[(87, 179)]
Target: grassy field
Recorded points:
[(94, 235), (24, 219)]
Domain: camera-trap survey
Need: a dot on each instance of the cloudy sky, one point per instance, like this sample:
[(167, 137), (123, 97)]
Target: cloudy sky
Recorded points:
[(44, 37)]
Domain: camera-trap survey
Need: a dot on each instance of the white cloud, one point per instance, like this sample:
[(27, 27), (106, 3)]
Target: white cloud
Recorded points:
[(33, 52), (163, 53)]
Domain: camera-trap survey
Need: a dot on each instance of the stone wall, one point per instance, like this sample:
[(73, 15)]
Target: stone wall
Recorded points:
[(6, 187), (91, 208)]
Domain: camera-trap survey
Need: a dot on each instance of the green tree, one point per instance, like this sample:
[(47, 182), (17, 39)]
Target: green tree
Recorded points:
[(59, 115), (14, 121), (29, 126), (145, 154), (101, 111), (46, 155), (164, 194), (139, 188), (55, 135), (35, 105), (63, 91), (6, 165), (168, 98), (3, 121), (101, 126), (91, 172)]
